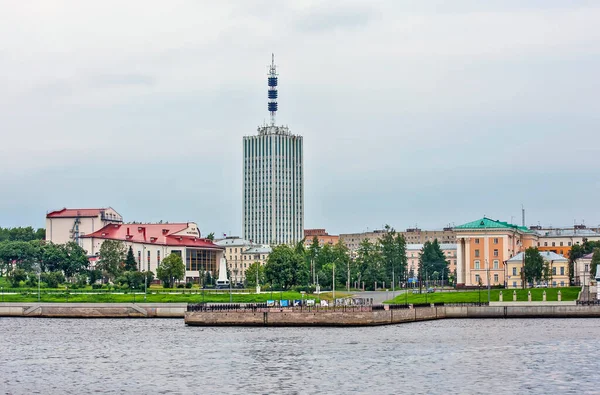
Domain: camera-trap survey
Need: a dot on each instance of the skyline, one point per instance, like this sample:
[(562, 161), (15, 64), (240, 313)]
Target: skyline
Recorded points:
[(411, 113)]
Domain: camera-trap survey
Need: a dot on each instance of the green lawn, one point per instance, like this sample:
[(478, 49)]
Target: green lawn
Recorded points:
[(162, 297), (569, 293)]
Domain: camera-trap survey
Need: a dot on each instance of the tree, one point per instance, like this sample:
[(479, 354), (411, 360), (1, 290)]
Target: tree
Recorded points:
[(75, 260), (393, 252), (251, 274), (21, 234), (311, 255), (369, 264), (112, 255), (431, 260), (595, 261), (534, 265), (211, 236), (130, 263), (285, 267), (171, 269)]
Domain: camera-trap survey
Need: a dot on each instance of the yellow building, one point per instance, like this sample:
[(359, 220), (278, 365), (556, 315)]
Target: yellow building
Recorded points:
[(483, 247), (556, 263)]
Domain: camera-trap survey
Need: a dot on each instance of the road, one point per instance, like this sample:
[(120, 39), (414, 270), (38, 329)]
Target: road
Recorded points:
[(378, 296)]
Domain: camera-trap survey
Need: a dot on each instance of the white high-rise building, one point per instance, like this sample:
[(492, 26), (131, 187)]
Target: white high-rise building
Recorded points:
[(273, 180)]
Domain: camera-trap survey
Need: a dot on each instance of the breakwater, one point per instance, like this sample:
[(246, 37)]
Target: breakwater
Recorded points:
[(365, 316), (94, 310)]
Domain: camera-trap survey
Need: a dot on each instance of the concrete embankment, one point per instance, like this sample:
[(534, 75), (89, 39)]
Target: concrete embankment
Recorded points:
[(94, 310), (323, 317)]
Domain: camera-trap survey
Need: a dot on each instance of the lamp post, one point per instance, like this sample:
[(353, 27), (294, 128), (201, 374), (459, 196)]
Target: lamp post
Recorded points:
[(39, 277), (487, 265)]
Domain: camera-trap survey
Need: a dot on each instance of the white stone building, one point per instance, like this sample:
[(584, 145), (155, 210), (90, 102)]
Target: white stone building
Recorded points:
[(67, 224)]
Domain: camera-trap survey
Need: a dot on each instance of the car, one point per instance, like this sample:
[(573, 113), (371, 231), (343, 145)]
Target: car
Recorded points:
[(430, 290)]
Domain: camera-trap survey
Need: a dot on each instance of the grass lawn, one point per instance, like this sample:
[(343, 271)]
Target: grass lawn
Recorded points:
[(163, 297), (569, 293)]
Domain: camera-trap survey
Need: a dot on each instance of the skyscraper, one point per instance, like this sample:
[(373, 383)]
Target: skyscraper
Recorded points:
[(273, 179)]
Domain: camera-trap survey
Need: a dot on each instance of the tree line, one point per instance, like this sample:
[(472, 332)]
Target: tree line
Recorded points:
[(375, 264)]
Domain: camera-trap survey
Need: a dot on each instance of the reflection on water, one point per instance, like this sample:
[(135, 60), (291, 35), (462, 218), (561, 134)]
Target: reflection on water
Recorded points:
[(164, 356)]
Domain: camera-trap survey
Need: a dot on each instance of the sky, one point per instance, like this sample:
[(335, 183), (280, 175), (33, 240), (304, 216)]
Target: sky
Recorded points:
[(426, 113)]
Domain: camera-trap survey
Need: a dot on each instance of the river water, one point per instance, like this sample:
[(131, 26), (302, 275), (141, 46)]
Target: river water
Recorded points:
[(78, 356)]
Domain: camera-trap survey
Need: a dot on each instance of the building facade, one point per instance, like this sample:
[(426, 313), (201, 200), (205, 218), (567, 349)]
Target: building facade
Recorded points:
[(240, 254), (582, 272), (411, 235), (322, 236), (560, 240), (69, 224), (273, 204), (153, 242), (557, 264), (483, 247)]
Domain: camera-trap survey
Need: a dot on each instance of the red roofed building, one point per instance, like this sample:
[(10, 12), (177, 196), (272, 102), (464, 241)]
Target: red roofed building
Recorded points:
[(153, 242), (69, 224)]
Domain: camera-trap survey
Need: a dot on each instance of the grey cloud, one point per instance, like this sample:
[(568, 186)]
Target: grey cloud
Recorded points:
[(124, 79), (321, 19)]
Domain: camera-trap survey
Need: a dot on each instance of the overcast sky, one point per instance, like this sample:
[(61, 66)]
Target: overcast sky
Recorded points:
[(413, 112)]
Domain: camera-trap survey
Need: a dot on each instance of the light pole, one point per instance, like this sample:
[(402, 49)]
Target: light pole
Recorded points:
[(487, 265), (39, 277)]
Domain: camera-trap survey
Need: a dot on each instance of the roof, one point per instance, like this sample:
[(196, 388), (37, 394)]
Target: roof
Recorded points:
[(232, 241), (567, 233), (444, 246), (259, 250), (547, 255), (588, 256), (160, 234), (76, 212), (487, 223)]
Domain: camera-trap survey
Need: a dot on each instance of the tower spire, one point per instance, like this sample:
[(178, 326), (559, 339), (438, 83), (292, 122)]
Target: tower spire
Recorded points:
[(272, 93)]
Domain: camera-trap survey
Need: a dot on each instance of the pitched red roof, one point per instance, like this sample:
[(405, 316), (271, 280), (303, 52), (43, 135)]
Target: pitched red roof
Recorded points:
[(162, 234), (75, 212)]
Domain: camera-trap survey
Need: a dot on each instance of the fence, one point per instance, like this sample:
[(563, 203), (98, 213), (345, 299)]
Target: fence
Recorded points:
[(260, 307)]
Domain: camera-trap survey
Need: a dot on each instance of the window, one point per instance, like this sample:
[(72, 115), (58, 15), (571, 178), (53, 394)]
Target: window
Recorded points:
[(496, 264), (477, 279), (476, 253), (554, 271), (496, 278), (554, 283), (514, 284), (545, 244), (495, 252), (561, 243), (477, 264), (553, 244), (569, 244), (495, 240), (562, 283), (476, 241), (562, 270), (586, 268), (514, 271)]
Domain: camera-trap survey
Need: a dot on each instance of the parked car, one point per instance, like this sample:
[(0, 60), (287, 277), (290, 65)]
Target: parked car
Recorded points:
[(430, 290)]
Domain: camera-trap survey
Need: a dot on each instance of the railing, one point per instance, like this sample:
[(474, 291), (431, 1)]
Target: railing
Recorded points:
[(262, 307), (467, 304), (588, 302)]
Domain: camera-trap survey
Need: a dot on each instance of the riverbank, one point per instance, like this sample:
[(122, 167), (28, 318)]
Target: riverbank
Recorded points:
[(94, 310), (370, 317)]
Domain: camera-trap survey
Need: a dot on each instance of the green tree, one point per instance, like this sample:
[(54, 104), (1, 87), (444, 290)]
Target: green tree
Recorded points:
[(75, 261), (431, 260), (130, 263), (171, 269), (21, 234), (595, 261), (311, 255), (285, 267), (53, 279), (369, 263), (393, 253), (534, 265), (94, 275), (251, 274), (211, 236), (111, 257)]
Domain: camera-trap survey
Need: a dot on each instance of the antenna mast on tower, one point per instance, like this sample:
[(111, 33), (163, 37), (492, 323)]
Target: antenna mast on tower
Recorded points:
[(272, 79)]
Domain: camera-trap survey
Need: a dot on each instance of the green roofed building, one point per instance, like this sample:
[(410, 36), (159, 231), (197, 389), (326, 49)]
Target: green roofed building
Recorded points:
[(484, 246)]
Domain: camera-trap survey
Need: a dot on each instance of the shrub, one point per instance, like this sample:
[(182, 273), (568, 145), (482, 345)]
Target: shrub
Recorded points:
[(53, 279), (16, 276), (180, 285), (166, 285), (32, 280), (188, 285), (97, 286)]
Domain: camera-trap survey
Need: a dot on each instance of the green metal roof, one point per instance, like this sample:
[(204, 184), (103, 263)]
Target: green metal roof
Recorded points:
[(486, 223)]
